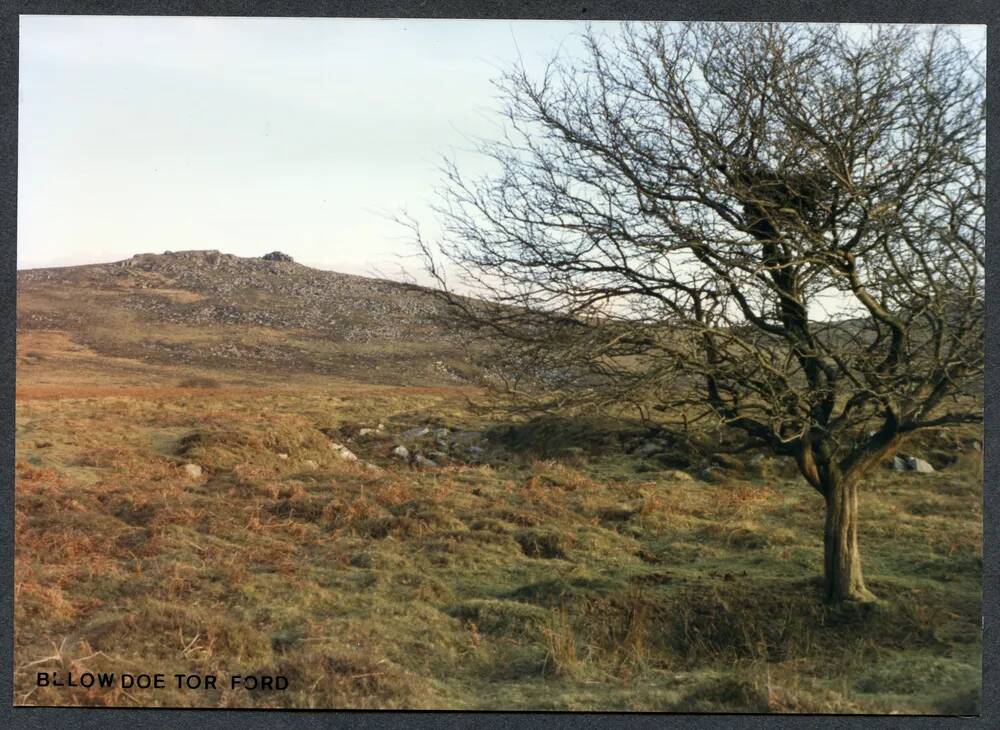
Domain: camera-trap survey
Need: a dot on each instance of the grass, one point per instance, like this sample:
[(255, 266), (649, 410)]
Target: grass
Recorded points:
[(556, 575)]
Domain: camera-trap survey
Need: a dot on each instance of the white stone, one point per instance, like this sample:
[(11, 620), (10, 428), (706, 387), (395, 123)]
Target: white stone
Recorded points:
[(919, 465), (415, 433), (343, 452)]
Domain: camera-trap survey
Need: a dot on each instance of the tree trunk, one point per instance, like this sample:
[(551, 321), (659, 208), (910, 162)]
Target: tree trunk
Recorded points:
[(842, 579)]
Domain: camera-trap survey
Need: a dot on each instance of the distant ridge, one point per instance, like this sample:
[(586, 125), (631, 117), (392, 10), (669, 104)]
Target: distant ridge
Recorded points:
[(212, 308)]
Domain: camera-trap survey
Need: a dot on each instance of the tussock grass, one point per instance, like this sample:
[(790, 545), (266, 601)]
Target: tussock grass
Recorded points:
[(555, 576), (199, 382)]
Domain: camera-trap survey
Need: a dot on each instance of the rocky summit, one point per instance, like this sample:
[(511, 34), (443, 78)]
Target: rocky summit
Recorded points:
[(215, 309)]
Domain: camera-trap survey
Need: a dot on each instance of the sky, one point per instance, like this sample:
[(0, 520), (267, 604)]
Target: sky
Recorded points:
[(249, 135)]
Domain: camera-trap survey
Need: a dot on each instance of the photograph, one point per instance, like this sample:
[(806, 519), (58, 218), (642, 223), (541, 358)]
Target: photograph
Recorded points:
[(499, 365)]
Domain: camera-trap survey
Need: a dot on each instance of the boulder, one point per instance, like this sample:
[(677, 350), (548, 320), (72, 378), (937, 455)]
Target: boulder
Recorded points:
[(414, 433), (423, 461), (650, 448), (310, 465), (277, 256), (466, 437), (904, 462), (712, 474), (918, 465), (677, 475), (192, 471), (401, 452), (343, 452)]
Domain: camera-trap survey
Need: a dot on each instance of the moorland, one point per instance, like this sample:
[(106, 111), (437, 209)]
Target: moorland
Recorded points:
[(229, 465)]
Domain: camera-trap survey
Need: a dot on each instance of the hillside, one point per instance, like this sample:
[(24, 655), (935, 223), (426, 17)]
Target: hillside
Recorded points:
[(238, 466), (209, 309)]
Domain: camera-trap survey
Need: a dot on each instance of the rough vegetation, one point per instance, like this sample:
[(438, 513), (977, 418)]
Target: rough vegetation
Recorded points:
[(580, 565)]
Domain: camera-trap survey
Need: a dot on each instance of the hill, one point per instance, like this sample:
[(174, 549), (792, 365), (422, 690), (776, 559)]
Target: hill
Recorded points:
[(243, 466), (268, 314)]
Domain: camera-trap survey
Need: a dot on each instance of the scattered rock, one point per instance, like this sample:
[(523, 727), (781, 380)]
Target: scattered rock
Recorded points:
[(372, 467), (43, 444), (380, 427), (207, 288), (192, 470), (401, 452), (414, 433), (918, 465), (677, 475), (650, 448), (283, 457), (903, 462), (310, 465), (423, 461), (712, 474), (343, 452)]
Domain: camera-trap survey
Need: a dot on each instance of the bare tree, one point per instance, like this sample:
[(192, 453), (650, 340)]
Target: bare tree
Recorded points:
[(776, 227)]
